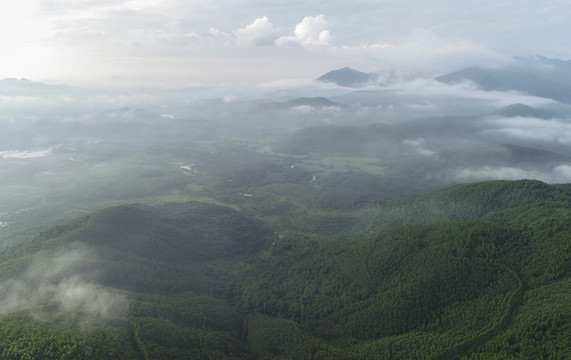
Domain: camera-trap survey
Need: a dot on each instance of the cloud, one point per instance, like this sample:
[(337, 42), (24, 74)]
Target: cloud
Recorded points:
[(172, 32), (530, 129), (54, 279), (425, 87), (312, 31), (419, 146), (260, 32), (496, 173), (218, 35), (559, 174), (423, 51), (562, 174), (69, 39), (308, 109)]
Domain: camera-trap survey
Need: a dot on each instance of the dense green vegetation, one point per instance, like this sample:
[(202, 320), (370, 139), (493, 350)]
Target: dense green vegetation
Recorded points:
[(251, 254)]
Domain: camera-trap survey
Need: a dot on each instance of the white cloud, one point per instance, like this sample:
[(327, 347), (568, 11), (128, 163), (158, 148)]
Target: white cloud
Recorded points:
[(54, 278), (559, 174), (220, 36), (308, 109), (423, 86), (260, 32), (419, 146), (497, 173), (312, 31), (531, 129), (171, 32), (562, 174), (51, 39), (422, 51)]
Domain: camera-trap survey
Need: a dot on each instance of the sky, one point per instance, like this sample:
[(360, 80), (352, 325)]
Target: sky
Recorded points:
[(190, 42)]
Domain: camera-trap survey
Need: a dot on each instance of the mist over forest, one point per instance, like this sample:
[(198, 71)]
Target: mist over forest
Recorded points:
[(357, 215), (468, 125)]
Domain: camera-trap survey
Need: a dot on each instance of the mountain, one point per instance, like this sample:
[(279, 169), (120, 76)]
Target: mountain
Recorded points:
[(511, 79), (154, 273), (530, 156), (348, 77), (313, 102), (25, 87), (521, 110), (331, 233), (466, 271), (553, 69)]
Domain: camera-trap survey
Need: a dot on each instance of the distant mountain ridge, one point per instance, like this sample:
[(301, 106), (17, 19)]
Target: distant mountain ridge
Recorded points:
[(549, 68), (23, 86), (540, 77)]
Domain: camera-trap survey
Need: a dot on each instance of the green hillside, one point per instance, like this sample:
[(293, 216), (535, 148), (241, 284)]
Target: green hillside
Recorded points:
[(474, 271)]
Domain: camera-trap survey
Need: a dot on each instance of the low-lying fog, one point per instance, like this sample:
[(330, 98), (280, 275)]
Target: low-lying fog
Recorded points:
[(443, 130)]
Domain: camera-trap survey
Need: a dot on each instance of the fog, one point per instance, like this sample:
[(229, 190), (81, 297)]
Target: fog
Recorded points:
[(223, 179), (78, 149), (52, 281), (293, 147)]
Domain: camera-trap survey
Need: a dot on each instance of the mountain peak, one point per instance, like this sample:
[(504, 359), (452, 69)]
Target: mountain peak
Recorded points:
[(311, 101), (521, 110), (348, 77)]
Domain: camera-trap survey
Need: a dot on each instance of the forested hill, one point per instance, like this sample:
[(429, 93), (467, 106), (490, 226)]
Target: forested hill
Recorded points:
[(475, 271)]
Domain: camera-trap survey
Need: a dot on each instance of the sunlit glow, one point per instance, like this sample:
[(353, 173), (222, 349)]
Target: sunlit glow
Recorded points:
[(22, 35)]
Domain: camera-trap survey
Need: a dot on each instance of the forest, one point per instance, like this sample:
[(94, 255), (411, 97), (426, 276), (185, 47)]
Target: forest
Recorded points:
[(425, 218), (246, 253)]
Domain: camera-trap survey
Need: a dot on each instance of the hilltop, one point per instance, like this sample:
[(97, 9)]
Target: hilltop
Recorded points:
[(348, 77), (523, 110)]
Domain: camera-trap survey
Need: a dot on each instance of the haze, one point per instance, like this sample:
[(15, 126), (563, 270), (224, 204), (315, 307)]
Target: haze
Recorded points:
[(284, 179), (437, 94)]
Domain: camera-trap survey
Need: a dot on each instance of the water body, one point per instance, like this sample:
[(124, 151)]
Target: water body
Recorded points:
[(27, 154)]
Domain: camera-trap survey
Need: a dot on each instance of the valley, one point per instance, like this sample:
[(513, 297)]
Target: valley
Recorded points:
[(256, 254), (355, 223)]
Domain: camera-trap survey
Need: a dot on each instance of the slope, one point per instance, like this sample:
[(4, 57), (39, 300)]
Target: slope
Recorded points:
[(441, 284), (458, 273), (131, 275)]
